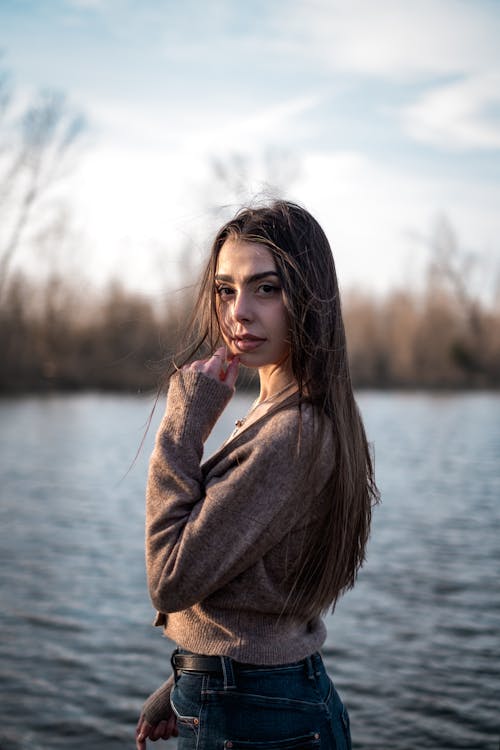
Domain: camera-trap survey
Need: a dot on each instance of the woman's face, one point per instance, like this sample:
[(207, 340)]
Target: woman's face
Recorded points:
[(252, 316)]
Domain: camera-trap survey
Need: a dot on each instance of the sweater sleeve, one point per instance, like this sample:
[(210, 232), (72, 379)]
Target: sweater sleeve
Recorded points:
[(157, 707), (198, 538)]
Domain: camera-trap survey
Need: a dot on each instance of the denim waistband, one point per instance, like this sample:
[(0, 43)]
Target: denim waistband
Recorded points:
[(226, 667)]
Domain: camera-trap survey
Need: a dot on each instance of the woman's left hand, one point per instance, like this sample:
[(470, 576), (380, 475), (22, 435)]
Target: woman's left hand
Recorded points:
[(218, 367)]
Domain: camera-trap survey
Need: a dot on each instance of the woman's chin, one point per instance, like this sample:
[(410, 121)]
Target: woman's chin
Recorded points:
[(244, 358), (247, 362)]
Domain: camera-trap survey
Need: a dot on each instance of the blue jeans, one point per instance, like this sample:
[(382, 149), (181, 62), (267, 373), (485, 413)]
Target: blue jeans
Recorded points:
[(288, 707)]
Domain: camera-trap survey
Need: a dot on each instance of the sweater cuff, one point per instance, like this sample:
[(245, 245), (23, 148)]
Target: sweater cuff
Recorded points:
[(195, 401), (157, 707)]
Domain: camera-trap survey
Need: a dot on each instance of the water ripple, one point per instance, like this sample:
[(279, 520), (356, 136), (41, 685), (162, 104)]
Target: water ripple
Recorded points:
[(414, 649)]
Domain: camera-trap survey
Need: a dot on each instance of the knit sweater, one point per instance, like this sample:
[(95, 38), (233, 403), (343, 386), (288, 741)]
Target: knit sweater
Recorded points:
[(223, 537)]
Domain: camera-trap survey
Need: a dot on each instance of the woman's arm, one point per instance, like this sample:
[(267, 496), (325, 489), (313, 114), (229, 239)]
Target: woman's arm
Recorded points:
[(198, 538)]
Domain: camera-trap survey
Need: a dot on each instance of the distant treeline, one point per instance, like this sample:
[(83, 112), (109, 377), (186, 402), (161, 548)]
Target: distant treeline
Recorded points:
[(56, 336)]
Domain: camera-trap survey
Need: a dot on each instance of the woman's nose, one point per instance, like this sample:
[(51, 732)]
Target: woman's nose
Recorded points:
[(242, 309)]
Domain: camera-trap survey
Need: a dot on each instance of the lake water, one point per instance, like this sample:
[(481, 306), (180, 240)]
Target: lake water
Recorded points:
[(414, 650)]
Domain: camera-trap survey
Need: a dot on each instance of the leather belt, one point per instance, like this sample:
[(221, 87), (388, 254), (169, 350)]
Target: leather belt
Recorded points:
[(207, 664), (197, 663)]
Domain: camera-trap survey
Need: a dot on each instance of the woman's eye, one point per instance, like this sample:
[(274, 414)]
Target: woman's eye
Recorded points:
[(224, 291), (268, 289)]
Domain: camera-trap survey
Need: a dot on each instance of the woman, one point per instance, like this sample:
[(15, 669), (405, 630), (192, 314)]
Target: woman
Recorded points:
[(245, 551)]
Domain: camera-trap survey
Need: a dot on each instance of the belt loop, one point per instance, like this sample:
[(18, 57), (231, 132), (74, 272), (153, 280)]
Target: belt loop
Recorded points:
[(309, 666), (228, 672), (172, 659), (318, 663)]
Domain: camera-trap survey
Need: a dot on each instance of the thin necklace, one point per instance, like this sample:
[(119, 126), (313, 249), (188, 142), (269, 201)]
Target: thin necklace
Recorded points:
[(256, 405)]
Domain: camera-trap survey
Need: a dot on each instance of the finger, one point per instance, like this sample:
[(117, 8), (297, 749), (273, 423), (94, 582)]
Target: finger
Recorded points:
[(231, 373), (171, 727), (197, 365), (218, 358), (159, 731), (142, 724), (214, 366), (142, 732)]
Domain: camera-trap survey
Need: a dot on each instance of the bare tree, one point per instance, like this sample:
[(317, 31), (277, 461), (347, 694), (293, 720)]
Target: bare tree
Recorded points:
[(273, 171), (35, 152)]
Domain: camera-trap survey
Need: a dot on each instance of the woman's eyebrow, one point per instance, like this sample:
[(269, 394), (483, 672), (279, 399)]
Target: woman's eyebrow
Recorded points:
[(249, 279)]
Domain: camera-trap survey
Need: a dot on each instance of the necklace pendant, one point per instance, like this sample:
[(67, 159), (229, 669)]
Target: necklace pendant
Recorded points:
[(239, 423)]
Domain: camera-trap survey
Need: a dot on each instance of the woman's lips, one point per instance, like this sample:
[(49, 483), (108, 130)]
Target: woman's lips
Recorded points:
[(247, 343)]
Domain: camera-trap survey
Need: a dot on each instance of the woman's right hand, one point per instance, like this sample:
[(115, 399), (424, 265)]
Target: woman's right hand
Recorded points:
[(162, 731), (218, 367), (162, 722)]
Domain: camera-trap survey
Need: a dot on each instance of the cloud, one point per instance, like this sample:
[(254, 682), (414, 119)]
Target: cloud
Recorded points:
[(133, 199), (394, 39), (372, 212), (87, 4), (458, 115), (206, 131), (450, 47), (249, 130)]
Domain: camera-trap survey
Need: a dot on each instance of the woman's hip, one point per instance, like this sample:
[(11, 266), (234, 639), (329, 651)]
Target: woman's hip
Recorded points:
[(232, 705)]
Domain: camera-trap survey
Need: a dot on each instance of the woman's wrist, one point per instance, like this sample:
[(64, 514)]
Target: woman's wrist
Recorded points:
[(157, 707), (195, 401)]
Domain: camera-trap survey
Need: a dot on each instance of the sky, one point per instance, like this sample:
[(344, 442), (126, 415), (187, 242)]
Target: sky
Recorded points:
[(382, 118)]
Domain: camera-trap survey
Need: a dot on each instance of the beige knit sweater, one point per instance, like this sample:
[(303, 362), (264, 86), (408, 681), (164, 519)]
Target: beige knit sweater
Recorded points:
[(223, 537)]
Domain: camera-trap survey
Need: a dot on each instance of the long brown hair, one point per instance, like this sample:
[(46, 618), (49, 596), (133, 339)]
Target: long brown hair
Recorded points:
[(330, 562)]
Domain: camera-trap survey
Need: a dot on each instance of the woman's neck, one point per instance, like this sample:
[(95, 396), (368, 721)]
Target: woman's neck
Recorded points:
[(275, 380)]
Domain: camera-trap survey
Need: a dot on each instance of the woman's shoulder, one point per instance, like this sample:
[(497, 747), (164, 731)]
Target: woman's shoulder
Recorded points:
[(299, 441), (299, 415), (294, 430)]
